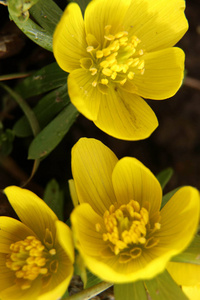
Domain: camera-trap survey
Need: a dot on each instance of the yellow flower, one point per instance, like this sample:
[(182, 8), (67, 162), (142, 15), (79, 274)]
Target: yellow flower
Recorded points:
[(36, 254), (188, 276), (119, 229), (121, 51)]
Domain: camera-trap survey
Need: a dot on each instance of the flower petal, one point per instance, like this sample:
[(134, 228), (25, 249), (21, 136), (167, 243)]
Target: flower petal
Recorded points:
[(179, 220), (65, 254), (125, 116), (133, 181), (14, 292), (59, 281), (69, 43), (64, 236), (7, 277), (158, 24), (12, 231), (88, 241), (192, 292), (184, 273), (31, 210), (92, 166), (163, 74), (111, 270), (101, 13), (83, 95)]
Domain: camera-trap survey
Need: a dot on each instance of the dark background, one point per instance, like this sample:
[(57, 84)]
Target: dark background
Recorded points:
[(176, 142)]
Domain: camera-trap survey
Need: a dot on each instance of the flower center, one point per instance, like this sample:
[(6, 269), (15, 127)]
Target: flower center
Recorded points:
[(29, 258), (117, 62), (128, 230)]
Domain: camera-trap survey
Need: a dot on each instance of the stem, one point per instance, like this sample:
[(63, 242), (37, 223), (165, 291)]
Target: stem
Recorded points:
[(91, 292), (13, 76), (192, 82)]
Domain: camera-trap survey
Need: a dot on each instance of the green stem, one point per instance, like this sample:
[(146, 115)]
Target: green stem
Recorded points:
[(25, 107), (91, 292)]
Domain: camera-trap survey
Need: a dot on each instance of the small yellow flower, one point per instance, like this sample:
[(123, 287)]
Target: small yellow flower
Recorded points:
[(119, 229), (36, 254), (121, 51), (187, 276)]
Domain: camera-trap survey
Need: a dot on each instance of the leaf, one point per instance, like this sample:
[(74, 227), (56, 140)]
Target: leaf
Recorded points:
[(54, 198), (163, 287), (164, 176), (130, 291), (53, 133), (42, 81), (46, 109), (46, 13), (191, 254), (168, 196)]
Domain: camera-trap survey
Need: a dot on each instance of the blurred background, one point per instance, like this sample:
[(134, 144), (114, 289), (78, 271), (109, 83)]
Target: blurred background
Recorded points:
[(175, 144)]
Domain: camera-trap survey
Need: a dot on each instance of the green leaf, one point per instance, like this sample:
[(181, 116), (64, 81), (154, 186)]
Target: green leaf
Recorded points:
[(53, 133), (91, 280), (164, 176), (168, 196), (42, 81), (46, 109), (54, 198), (130, 291), (46, 13), (163, 287), (191, 254), (6, 140)]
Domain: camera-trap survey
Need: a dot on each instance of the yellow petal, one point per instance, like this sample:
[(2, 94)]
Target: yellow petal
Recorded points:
[(133, 181), (184, 273), (163, 74), (59, 282), (7, 277), (12, 231), (64, 236), (192, 292), (158, 24), (83, 95), (125, 116), (92, 166), (73, 192), (16, 293), (31, 210), (69, 44), (88, 241), (65, 255), (101, 13), (179, 220), (109, 269)]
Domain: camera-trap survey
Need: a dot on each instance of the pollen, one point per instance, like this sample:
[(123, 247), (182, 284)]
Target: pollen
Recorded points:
[(129, 229), (118, 58), (29, 259)]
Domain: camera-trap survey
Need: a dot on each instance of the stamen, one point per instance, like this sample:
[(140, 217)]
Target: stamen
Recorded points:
[(127, 229), (117, 58), (29, 258)]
